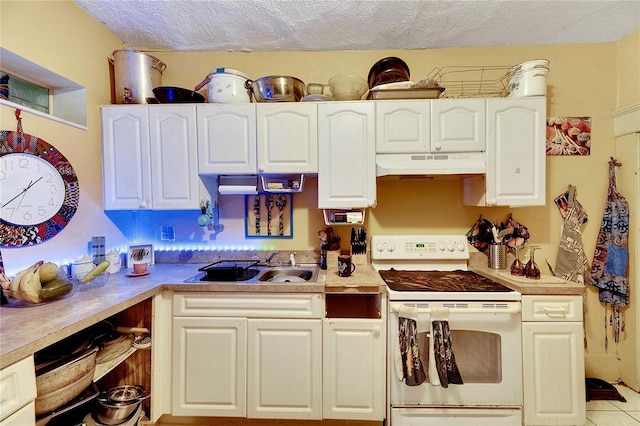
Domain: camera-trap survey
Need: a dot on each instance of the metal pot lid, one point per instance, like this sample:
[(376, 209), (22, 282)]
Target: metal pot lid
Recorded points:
[(125, 393), (232, 71)]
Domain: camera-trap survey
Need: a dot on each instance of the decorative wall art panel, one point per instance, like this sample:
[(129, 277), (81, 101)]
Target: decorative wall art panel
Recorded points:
[(568, 135)]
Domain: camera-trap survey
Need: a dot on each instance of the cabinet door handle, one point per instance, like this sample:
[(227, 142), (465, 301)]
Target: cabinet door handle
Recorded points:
[(376, 330), (557, 312)]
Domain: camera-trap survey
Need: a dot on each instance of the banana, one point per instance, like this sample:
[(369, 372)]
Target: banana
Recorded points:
[(5, 282), (30, 286), (100, 268), (16, 284)]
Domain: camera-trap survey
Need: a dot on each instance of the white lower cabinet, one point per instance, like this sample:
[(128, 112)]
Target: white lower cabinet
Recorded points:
[(247, 355), (553, 360), (284, 372), (23, 417), (209, 366), (354, 357), (18, 393), (354, 369)]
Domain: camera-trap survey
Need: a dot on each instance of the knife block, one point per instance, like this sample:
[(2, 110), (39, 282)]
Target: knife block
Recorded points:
[(356, 259)]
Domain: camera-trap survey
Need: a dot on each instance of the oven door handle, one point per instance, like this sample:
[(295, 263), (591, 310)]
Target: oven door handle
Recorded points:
[(481, 308)]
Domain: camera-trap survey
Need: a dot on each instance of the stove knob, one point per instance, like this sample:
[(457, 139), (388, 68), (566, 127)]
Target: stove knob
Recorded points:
[(380, 246), (391, 247), (442, 246), (451, 246), (462, 246)]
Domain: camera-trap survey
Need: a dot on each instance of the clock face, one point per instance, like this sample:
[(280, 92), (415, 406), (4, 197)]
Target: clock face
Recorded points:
[(32, 189), (39, 191)]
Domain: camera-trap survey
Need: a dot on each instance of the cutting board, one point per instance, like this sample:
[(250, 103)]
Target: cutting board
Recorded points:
[(544, 279)]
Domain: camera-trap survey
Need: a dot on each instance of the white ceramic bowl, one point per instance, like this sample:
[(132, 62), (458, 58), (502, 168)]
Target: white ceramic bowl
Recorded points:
[(347, 87)]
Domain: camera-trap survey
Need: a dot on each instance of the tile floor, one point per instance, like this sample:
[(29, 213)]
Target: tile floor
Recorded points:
[(615, 413)]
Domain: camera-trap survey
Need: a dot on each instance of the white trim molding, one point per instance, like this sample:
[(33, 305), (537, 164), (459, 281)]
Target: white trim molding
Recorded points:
[(627, 120)]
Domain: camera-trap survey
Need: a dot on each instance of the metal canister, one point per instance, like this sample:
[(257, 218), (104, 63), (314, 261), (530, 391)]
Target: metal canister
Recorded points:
[(497, 256), (136, 74)]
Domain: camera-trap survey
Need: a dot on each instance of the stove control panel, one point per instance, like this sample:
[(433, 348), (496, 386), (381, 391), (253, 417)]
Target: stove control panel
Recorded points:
[(425, 247)]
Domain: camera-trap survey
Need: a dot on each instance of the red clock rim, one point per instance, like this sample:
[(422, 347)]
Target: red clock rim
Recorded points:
[(12, 235)]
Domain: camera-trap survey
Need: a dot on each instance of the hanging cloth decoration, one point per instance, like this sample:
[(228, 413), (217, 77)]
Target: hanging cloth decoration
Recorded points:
[(609, 269), (572, 263)]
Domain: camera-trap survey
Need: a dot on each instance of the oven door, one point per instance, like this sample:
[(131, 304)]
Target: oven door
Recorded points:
[(486, 342)]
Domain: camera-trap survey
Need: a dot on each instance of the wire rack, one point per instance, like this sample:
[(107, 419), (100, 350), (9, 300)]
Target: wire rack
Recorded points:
[(473, 81)]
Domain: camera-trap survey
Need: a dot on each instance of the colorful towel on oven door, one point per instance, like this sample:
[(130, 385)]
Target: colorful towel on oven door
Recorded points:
[(443, 369), (611, 257), (408, 364)]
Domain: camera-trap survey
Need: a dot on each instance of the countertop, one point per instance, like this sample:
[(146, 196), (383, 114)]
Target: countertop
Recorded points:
[(548, 285), (24, 331)]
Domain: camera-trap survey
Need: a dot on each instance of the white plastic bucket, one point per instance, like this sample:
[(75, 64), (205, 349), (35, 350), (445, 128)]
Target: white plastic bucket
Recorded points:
[(529, 82), (226, 85)]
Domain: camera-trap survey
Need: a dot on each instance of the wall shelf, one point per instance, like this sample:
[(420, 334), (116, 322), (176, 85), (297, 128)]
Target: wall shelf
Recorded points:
[(282, 183), (344, 217)]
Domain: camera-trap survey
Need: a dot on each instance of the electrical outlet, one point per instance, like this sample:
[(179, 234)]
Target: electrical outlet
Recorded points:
[(167, 233)]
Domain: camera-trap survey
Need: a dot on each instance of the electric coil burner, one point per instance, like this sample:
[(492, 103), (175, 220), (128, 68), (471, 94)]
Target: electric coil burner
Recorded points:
[(439, 281)]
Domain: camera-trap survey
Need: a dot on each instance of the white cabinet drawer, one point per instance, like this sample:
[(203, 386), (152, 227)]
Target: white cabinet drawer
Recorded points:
[(17, 386), (26, 416), (551, 308), (310, 305)]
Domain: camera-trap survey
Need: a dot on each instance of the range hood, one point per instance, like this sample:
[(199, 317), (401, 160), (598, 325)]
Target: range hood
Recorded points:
[(453, 163)]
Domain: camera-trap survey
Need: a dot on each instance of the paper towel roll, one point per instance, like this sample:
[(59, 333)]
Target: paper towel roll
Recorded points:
[(237, 189)]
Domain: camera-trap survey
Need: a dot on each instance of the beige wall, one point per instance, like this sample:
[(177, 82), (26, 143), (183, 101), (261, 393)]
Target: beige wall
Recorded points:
[(628, 70), (60, 36), (582, 82)]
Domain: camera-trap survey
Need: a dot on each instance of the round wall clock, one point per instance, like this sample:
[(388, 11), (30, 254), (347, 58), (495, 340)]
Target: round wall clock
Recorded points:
[(39, 190)]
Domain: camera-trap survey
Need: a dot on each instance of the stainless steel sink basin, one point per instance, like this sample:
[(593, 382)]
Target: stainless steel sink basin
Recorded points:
[(302, 274)]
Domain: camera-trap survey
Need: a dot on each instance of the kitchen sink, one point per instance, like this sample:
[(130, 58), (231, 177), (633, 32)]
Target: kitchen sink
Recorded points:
[(290, 274), (262, 273)]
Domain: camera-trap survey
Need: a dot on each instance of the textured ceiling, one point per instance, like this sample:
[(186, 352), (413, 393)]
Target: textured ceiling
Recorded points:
[(312, 25)]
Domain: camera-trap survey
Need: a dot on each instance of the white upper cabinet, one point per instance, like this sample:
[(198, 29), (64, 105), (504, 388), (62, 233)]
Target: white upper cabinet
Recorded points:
[(516, 153), (257, 138), (149, 157), (287, 138), (174, 153), (458, 125), (403, 126), (226, 138), (443, 125), (346, 162), (516, 162), (126, 158)]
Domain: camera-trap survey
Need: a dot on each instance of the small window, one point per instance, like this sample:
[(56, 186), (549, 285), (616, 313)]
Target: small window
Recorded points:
[(28, 86), (22, 92)]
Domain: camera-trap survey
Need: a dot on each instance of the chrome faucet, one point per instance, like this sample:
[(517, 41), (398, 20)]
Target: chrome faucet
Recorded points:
[(292, 259), (271, 256)]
